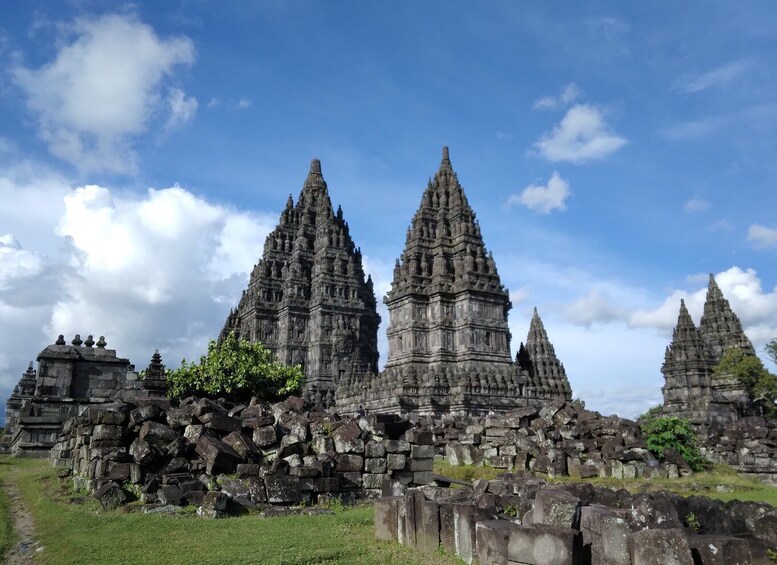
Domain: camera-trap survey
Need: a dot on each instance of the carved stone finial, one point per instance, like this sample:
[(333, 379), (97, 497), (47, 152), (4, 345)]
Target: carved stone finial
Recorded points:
[(89, 341), (101, 343), (315, 166), (60, 340), (77, 341)]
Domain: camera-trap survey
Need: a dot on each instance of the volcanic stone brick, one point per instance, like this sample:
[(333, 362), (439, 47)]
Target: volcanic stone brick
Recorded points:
[(387, 518), (179, 417), (556, 508), (397, 446), (214, 505), (428, 532), (110, 495), (765, 528), (327, 484), (265, 437), (465, 516), (660, 547), (245, 470), (105, 432), (244, 446), (143, 453), (351, 480), (491, 540), (143, 414), (192, 433), (605, 536), (421, 464), (654, 511), (375, 465), (282, 489), (419, 437), (218, 455), (373, 480), (347, 463), (374, 450), (170, 494), (157, 434), (119, 472), (541, 545), (396, 461), (422, 477), (238, 490), (410, 508), (290, 445), (204, 405), (220, 422), (720, 550), (422, 451), (256, 490)]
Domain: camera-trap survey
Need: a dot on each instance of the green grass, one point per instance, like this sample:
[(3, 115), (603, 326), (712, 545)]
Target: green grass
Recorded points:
[(720, 482), (83, 534), (6, 528)]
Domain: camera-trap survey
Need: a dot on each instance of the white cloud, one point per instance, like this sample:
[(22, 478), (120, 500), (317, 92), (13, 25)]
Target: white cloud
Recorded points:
[(582, 135), (182, 108), (244, 103), (102, 88), (717, 77), (696, 204), (156, 270), (762, 236), (594, 308), (543, 199), (569, 94)]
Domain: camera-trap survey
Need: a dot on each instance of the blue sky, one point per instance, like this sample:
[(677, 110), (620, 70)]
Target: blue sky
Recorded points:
[(614, 153)]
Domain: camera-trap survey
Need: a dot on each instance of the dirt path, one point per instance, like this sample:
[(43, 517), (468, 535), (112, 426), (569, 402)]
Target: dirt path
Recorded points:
[(26, 547)]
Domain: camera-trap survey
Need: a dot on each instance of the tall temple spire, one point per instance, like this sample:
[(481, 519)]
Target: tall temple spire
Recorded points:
[(720, 327), (546, 369), (445, 164)]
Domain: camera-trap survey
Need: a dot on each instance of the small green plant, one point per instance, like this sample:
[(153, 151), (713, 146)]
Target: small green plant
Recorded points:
[(333, 503), (693, 522), (650, 414), (772, 555), (662, 434), (510, 510)]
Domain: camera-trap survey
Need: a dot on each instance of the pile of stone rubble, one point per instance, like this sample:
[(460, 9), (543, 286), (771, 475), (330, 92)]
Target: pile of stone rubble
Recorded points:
[(221, 457)]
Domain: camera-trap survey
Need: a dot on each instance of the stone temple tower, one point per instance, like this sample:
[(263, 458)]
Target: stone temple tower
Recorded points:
[(692, 390), (449, 342), (307, 299)]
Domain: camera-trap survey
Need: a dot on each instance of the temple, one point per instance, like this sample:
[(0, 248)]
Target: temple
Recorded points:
[(307, 298), (692, 390), (449, 342)]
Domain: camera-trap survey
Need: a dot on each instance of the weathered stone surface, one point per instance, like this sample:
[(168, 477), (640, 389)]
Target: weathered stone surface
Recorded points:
[(387, 518), (265, 436), (170, 494), (720, 550), (556, 508), (605, 536), (542, 545), (218, 455), (428, 532), (157, 434), (282, 489), (110, 495), (243, 446), (347, 438), (179, 417), (349, 463), (214, 505), (660, 547), (492, 537), (220, 421), (765, 528), (143, 453), (143, 414)]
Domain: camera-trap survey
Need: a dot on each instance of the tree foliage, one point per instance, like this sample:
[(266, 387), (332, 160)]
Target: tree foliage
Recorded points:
[(237, 369), (771, 350), (674, 433), (761, 385), (650, 414)]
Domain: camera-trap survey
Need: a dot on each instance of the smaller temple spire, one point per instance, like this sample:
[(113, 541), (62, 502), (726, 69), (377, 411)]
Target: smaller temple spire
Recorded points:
[(315, 178), (445, 164)]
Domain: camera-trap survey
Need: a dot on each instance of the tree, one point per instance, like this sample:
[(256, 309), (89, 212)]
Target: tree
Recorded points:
[(761, 385), (237, 369), (674, 433), (771, 350)]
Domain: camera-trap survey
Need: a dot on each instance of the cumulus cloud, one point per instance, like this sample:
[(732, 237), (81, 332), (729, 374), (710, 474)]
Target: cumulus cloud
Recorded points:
[(543, 198), (594, 308), (756, 307), (696, 204), (762, 236), (717, 77), (155, 270), (569, 94), (100, 91), (582, 135), (182, 108)]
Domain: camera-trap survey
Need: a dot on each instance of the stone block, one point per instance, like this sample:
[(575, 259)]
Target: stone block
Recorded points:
[(220, 421), (422, 452), (214, 505), (544, 545), (119, 472), (765, 528), (218, 455), (387, 518), (457, 454), (465, 516), (246, 470), (396, 461), (347, 438), (428, 532), (654, 511), (170, 494), (143, 453), (326, 484), (397, 446), (373, 480), (106, 432), (265, 436), (421, 464), (110, 495), (157, 434), (409, 508), (491, 538), (419, 437), (605, 536), (501, 461), (660, 547), (720, 550), (192, 433), (143, 414), (243, 446), (349, 463), (351, 479), (375, 450), (282, 489), (557, 508), (422, 477), (375, 465), (179, 417)]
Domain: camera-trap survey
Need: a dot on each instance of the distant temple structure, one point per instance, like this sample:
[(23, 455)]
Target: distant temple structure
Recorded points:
[(449, 345), (691, 388), (307, 298), (70, 378)]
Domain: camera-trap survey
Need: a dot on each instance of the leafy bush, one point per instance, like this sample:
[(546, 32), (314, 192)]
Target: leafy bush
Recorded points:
[(674, 433), (650, 414), (761, 385), (236, 369)]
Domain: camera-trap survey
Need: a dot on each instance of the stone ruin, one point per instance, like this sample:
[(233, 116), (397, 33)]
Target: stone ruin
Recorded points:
[(449, 344), (231, 458), (516, 519), (68, 379)]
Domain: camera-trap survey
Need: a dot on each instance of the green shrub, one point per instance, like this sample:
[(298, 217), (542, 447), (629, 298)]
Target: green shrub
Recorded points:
[(760, 384), (677, 434), (236, 369), (650, 414)]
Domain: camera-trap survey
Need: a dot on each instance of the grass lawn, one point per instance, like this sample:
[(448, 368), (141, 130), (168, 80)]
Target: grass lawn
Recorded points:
[(720, 482), (6, 529), (83, 534)]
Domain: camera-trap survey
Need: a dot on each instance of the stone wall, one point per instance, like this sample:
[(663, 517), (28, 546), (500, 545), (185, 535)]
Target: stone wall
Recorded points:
[(254, 454), (749, 445), (562, 438), (514, 520)]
